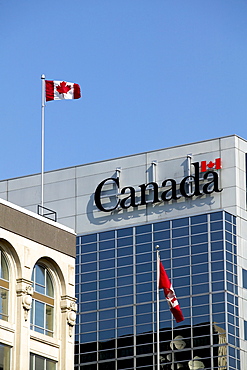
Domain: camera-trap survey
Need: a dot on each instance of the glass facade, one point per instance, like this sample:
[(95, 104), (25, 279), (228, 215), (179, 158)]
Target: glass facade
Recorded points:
[(116, 293)]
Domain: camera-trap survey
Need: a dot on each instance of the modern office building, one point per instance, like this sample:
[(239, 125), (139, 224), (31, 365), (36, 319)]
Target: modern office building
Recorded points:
[(191, 201), (37, 291)]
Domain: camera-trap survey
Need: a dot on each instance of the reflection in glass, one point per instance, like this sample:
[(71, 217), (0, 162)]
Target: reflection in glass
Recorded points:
[(4, 294), (192, 252), (41, 363), (41, 315), (4, 357)]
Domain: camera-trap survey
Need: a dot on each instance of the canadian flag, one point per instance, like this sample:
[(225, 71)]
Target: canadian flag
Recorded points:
[(57, 90), (164, 283), (216, 165)]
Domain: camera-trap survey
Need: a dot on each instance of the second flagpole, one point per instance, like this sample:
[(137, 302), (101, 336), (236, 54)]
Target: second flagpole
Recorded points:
[(42, 139)]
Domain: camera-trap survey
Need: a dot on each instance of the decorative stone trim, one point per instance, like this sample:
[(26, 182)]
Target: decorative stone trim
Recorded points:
[(25, 290), (69, 306)]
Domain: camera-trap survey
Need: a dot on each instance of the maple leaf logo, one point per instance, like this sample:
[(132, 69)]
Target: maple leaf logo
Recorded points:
[(63, 88), (211, 164)]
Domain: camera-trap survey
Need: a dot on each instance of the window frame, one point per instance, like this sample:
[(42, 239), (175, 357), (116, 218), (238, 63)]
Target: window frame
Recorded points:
[(4, 286), (45, 302)]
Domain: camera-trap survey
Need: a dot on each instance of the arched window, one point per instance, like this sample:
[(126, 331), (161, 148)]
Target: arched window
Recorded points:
[(4, 287), (42, 312)]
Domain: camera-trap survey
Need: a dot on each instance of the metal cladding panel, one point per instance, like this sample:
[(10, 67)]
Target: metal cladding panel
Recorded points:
[(70, 192)]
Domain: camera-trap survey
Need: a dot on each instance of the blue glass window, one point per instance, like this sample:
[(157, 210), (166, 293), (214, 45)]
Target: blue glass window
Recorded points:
[(216, 235), (142, 248), (145, 257), (107, 235), (199, 248), (106, 303), (144, 267), (107, 274), (145, 318), (110, 253), (216, 256), (179, 242), (144, 297), (200, 278), (126, 251), (88, 257), (143, 229), (125, 261), (106, 293), (124, 242), (145, 287), (228, 217), (244, 278), (215, 226), (181, 261), (199, 258), (182, 231), (88, 238), (182, 271), (178, 252), (219, 275), (87, 248), (181, 281), (90, 276), (199, 229), (128, 289), (108, 283), (228, 227), (140, 278), (218, 285), (125, 321), (200, 238), (125, 300), (197, 269), (161, 235), (199, 289), (123, 271), (180, 222), (87, 267), (125, 280), (161, 225), (109, 244), (198, 219), (143, 238), (126, 311), (216, 216), (124, 232), (107, 314)]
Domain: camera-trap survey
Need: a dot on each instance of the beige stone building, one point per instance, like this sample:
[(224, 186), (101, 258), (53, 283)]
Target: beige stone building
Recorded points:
[(37, 291)]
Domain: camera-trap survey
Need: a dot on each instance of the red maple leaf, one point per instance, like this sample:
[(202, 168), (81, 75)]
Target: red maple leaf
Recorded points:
[(63, 88), (211, 164)]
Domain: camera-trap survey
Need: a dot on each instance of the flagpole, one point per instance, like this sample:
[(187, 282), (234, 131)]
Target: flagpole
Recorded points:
[(42, 139), (158, 306)]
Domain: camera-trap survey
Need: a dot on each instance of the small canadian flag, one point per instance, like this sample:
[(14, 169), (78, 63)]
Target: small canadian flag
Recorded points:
[(58, 90), (216, 165)]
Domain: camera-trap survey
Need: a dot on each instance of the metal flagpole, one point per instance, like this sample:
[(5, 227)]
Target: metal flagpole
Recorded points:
[(42, 139), (158, 306)]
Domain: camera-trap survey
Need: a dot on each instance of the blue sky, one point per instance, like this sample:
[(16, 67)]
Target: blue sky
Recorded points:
[(153, 74)]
